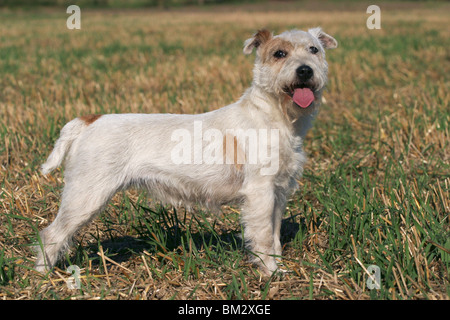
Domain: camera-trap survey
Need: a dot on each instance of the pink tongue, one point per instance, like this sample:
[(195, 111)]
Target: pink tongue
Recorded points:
[(303, 97)]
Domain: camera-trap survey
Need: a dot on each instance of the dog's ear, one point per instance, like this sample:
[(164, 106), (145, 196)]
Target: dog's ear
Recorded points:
[(327, 41), (257, 40)]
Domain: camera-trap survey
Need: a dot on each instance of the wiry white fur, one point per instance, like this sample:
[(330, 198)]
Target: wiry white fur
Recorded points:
[(119, 151), (69, 133)]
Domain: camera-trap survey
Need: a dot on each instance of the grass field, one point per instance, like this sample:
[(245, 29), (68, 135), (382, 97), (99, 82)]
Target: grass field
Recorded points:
[(376, 189)]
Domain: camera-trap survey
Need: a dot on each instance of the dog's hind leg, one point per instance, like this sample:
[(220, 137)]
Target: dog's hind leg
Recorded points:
[(78, 207)]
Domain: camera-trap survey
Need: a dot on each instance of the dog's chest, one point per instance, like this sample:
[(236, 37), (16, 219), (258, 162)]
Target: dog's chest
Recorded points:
[(292, 160)]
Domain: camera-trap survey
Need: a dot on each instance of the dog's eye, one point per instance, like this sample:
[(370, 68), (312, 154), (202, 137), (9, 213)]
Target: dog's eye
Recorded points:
[(313, 50), (280, 54)]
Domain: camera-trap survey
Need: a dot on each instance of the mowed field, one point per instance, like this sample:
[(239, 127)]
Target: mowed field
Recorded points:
[(375, 191)]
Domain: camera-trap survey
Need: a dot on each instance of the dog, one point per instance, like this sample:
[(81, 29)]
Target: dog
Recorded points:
[(210, 159)]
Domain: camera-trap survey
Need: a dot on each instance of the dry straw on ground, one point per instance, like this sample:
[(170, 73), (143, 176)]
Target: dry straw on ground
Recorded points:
[(376, 187)]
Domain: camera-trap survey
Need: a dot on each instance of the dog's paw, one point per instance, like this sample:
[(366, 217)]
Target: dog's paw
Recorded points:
[(274, 268)]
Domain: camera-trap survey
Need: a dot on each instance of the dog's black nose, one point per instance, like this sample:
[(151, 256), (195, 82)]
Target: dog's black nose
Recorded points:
[(304, 72)]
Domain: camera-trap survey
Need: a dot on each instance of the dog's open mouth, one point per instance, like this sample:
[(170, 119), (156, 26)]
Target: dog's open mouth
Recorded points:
[(302, 95)]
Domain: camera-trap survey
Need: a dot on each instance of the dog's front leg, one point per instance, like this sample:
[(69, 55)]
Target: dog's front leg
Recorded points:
[(278, 211), (258, 223)]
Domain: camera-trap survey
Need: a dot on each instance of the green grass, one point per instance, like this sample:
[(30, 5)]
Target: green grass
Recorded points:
[(375, 190)]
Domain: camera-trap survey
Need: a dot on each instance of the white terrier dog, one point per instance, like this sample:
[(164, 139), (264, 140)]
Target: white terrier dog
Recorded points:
[(229, 159)]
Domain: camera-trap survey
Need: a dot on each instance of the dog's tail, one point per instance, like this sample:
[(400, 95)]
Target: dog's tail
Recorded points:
[(68, 134)]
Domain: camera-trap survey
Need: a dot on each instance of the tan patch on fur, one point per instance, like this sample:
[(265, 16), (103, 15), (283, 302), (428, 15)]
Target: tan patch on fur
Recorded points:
[(262, 36), (233, 153), (273, 46), (90, 118)]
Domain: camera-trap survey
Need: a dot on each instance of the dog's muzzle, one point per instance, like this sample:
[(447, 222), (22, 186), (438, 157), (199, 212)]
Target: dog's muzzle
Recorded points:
[(302, 91), (304, 73)]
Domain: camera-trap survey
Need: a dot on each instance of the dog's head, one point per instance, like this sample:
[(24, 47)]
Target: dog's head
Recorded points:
[(291, 64)]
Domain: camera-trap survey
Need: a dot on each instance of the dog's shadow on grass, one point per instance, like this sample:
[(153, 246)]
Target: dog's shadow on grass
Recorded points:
[(172, 240)]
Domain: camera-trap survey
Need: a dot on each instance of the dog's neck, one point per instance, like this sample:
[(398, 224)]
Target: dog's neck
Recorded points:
[(287, 113)]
